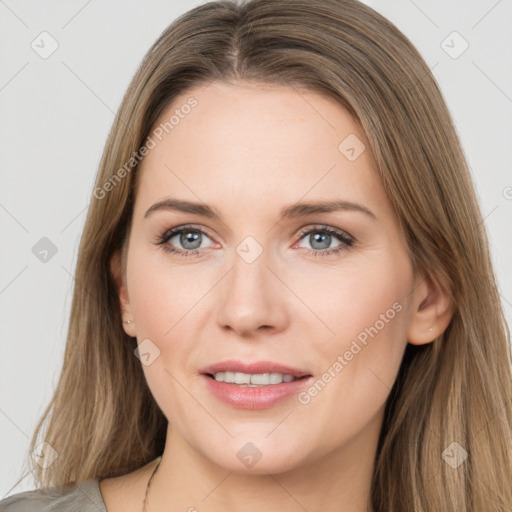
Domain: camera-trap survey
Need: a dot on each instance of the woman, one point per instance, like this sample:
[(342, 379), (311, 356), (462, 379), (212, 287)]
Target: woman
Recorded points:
[(284, 298)]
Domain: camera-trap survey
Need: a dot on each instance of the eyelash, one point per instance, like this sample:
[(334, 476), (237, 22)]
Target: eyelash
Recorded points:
[(346, 241)]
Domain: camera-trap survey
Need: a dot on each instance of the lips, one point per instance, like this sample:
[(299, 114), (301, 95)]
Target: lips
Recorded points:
[(259, 397), (257, 367)]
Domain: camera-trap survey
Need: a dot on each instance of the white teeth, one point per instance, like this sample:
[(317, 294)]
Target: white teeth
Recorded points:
[(229, 376), (274, 378), (253, 380), (242, 378), (263, 379)]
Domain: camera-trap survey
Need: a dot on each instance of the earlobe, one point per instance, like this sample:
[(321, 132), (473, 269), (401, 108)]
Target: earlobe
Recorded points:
[(122, 293), (431, 313)]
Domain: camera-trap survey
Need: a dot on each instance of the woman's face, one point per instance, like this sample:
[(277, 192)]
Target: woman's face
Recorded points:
[(261, 274)]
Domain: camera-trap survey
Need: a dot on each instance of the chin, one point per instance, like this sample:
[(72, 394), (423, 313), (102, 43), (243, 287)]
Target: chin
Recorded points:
[(257, 457)]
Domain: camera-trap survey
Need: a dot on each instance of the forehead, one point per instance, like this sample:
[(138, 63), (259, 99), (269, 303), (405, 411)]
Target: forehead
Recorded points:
[(257, 140)]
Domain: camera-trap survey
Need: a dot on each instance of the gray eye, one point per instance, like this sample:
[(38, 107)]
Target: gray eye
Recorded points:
[(320, 240), (188, 239)]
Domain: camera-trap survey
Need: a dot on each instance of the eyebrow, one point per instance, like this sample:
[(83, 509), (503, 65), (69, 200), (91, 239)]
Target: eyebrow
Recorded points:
[(289, 212)]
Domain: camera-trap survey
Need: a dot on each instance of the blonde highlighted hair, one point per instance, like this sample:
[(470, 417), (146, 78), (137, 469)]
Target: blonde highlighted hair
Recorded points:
[(102, 418)]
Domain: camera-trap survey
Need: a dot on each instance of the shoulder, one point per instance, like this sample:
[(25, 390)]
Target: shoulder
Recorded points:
[(81, 497)]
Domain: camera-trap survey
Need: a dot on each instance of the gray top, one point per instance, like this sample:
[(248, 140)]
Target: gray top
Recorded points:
[(81, 497)]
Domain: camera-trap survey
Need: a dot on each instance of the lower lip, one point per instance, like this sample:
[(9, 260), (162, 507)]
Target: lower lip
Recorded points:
[(261, 397)]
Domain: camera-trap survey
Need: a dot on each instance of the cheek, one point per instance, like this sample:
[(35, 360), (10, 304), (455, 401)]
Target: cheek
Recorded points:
[(169, 304), (165, 303), (366, 311), (163, 294)]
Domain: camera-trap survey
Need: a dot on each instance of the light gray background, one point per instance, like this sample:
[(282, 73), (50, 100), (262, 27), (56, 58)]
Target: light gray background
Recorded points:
[(55, 115)]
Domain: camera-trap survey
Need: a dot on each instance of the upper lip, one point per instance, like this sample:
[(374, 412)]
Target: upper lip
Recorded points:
[(256, 367)]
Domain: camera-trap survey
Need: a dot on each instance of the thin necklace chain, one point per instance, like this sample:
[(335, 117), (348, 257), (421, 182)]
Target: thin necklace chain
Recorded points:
[(149, 485)]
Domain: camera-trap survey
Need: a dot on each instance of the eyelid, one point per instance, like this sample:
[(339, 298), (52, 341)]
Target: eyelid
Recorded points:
[(177, 229), (328, 229)]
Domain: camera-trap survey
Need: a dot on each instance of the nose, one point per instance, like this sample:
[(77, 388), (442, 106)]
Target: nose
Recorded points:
[(252, 298)]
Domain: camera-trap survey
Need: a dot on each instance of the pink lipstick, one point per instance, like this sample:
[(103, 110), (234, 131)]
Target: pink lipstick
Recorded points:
[(257, 385)]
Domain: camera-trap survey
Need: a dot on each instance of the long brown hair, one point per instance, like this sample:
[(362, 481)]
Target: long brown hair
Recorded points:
[(103, 420)]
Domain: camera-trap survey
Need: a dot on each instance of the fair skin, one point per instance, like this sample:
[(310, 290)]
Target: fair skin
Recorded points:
[(248, 151)]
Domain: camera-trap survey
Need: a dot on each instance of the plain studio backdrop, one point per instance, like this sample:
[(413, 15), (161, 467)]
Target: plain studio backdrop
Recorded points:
[(64, 67)]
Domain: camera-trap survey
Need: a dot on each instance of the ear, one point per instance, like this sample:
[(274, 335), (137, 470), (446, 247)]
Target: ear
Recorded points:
[(431, 313), (122, 291)]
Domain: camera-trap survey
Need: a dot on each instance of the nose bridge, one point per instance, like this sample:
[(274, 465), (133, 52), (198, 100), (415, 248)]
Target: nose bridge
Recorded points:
[(251, 298)]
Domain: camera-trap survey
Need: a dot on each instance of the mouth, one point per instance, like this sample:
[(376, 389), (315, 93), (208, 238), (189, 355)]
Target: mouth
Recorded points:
[(259, 373), (253, 380), (258, 385)]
